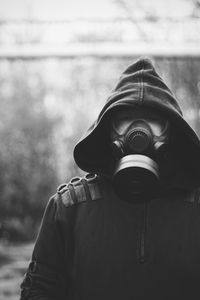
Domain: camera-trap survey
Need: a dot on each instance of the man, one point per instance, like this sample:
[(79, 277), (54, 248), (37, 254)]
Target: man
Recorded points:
[(132, 231)]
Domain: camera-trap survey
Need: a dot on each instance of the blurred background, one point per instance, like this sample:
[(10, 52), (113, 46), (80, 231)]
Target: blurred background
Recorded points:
[(59, 60)]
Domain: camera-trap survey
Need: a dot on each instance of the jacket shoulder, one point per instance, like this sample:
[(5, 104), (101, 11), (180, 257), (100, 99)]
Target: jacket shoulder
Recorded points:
[(80, 189)]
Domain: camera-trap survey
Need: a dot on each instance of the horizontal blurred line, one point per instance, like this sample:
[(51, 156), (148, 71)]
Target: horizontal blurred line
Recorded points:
[(148, 18), (100, 50)]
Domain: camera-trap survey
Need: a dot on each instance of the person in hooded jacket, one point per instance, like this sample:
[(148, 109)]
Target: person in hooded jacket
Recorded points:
[(129, 229)]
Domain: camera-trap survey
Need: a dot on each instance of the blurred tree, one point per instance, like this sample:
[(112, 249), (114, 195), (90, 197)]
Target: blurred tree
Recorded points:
[(27, 156), (183, 77), (131, 11)]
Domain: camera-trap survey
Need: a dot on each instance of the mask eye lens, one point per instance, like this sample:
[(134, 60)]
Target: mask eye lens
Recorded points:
[(120, 126), (158, 125)]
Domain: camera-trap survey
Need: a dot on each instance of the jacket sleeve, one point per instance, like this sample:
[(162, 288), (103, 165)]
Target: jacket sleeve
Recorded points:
[(46, 277)]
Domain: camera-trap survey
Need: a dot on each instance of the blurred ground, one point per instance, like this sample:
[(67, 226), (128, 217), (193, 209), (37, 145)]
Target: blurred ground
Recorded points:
[(13, 263)]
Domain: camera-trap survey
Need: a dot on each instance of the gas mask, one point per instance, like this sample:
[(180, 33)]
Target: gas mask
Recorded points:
[(139, 147)]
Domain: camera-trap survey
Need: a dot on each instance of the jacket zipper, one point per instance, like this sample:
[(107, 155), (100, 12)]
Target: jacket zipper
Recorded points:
[(142, 246), (142, 236)]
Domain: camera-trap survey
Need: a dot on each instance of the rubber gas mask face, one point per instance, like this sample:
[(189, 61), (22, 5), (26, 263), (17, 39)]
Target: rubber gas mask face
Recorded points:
[(139, 142)]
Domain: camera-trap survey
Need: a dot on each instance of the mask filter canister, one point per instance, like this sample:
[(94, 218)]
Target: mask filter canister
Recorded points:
[(136, 177)]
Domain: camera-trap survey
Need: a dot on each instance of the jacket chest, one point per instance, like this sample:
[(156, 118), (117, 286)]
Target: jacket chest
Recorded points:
[(163, 234)]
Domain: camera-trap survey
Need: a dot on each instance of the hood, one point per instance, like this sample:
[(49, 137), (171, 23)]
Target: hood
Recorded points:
[(140, 86)]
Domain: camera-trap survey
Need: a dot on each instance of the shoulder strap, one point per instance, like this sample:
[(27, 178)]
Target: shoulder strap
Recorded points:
[(80, 190)]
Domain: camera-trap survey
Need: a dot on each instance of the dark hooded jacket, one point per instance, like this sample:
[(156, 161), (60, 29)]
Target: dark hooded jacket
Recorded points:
[(93, 245)]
